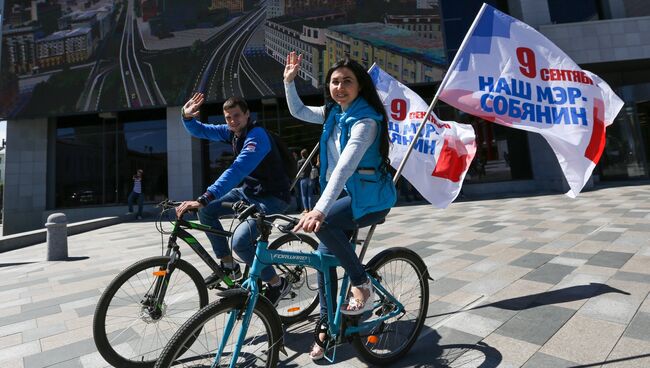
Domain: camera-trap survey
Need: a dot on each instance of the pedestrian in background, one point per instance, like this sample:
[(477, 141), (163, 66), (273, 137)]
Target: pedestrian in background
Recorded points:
[(296, 189), (314, 176), (305, 182), (136, 194)]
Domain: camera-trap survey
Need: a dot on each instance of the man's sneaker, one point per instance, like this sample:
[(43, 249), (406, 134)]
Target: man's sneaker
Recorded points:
[(233, 273), (212, 281), (275, 293)]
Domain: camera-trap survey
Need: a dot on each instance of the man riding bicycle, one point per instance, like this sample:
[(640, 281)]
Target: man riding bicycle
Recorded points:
[(259, 167)]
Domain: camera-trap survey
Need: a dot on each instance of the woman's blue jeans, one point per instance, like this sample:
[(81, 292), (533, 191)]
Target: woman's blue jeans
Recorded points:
[(334, 235), (245, 235)]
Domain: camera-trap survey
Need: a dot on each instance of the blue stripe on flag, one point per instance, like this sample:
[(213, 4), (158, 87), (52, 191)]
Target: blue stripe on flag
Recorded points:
[(492, 23)]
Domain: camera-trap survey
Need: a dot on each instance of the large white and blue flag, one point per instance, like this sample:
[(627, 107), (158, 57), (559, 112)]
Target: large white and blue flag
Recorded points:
[(508, 73), (442, 153)]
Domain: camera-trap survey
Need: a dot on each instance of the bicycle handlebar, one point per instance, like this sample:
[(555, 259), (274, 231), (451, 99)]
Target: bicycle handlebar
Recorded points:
[(244, 211), (167, 204)]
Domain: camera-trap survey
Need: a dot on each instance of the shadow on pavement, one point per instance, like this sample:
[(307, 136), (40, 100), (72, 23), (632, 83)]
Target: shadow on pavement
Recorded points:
[(564, 295), (598, 364), (426, 352), (73, 259), (14, 264)]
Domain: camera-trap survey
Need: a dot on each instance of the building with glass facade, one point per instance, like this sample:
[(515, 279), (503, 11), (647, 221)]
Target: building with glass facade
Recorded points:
[(81, 164), (606, 37)]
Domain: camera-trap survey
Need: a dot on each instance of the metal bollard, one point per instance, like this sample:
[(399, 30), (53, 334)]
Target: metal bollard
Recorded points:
[(57, 237)]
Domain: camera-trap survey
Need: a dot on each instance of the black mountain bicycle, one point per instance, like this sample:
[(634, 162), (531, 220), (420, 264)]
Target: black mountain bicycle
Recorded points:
[(147, 302)]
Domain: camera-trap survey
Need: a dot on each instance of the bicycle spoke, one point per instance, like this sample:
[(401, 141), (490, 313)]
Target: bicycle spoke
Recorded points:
[(204, 349), (135, 327), (403, 281)]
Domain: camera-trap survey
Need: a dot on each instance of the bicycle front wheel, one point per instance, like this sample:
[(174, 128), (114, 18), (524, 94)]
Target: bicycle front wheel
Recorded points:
[(303, 297), (404, 275), (129, 329), (261, 345)]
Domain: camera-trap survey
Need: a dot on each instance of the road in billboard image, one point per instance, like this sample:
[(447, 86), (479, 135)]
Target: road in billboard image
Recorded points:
[(74, 56)]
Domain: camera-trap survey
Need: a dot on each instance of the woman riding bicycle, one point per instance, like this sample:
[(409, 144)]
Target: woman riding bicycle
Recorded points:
[(357, 188)]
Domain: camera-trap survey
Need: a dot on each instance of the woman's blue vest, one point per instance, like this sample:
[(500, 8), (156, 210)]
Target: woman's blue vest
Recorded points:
[(369, 188)]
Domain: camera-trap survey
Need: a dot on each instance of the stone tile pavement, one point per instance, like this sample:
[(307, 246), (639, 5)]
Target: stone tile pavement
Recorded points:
[(532, 282)]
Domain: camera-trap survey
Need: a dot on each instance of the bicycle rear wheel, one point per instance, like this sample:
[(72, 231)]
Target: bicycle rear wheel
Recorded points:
[(261, 344), (303, 298), (128, 329), (403, 274)]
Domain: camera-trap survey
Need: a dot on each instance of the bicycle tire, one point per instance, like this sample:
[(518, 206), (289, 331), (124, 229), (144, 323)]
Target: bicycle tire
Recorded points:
[(303, 298), (205, 346), (412, 289), (112, 343)]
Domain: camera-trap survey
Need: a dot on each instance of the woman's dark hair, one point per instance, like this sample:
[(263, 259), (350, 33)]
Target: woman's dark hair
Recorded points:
[(369, 93)]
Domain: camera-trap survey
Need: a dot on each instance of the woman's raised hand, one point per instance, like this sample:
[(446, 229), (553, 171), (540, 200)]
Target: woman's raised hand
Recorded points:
[(193, 105), (293, 66)]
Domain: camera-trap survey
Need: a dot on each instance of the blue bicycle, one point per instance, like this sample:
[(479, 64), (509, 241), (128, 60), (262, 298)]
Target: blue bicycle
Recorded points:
[(243, 329)]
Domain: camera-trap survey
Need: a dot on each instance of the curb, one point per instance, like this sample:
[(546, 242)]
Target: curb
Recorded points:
[(26, 239)]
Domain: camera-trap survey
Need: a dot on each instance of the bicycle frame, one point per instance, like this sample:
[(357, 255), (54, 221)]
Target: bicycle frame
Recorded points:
[(173, 251), (318, 261)]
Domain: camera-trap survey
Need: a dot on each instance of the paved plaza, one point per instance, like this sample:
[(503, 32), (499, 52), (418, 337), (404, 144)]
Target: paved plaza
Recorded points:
[(535, 282)]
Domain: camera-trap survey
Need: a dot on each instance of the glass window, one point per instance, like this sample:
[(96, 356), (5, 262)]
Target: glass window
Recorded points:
[(627, 147), (82, 173), (502, 153), (96, 158), (563, 11), (145, 147)]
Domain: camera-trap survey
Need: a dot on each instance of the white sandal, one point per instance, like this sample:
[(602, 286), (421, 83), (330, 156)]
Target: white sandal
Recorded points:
[(357, 306), (320, 353)]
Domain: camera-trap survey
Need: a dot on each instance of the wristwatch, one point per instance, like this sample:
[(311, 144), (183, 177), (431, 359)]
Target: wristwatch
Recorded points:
[(205, 198)]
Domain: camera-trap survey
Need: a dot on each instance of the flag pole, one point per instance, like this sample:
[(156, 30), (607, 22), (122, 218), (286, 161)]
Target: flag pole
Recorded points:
[(435, 98), (366, 241), (304, 166)]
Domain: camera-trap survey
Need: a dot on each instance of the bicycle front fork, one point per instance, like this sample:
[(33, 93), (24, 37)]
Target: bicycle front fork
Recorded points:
[(245, 316)]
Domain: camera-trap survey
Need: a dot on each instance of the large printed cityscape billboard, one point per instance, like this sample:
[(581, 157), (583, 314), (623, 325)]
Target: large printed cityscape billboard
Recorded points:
[(74, 56)]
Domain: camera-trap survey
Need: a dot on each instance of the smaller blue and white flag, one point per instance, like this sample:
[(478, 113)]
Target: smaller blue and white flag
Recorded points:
[(443, 152)]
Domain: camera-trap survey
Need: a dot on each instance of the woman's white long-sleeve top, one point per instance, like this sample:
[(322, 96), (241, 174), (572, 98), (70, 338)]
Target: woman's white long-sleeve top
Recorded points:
[(341, 164)]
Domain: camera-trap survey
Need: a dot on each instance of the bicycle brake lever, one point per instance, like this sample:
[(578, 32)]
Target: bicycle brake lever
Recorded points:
[(288, 228), (245, 213)]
